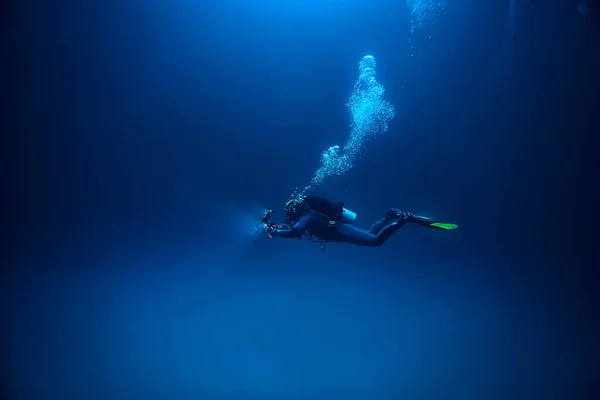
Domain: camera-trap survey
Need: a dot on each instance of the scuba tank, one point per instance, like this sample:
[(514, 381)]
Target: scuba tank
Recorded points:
[(348, 216)]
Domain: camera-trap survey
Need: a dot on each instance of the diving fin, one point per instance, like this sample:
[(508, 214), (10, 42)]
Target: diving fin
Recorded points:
[(443, 225)]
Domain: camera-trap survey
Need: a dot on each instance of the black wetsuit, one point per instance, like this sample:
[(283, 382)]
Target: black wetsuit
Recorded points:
[(319, 226)]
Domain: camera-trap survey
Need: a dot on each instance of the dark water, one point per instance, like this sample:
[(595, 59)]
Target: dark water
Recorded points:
[(140, 137)]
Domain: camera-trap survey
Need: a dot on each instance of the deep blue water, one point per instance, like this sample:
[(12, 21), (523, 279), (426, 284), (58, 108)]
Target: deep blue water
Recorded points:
[(140, 138)]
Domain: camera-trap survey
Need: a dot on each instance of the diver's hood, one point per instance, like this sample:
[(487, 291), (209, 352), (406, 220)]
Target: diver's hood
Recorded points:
[(294, 209)]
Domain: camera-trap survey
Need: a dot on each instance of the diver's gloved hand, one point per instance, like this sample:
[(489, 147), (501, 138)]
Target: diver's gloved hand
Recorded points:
[(269, 229)]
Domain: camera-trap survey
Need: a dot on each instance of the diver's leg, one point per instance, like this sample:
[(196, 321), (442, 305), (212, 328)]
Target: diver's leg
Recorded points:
[(422, 221), (392, 215), (350, 234), (383, 229), (378, 226)]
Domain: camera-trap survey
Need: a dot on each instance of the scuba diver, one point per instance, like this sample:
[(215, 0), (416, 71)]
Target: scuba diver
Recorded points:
[(323, 221)]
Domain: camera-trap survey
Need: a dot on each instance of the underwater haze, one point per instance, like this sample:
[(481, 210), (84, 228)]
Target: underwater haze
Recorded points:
[(142, 140)]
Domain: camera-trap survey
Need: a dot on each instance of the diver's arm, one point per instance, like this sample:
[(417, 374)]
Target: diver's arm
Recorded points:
[(294, 231)]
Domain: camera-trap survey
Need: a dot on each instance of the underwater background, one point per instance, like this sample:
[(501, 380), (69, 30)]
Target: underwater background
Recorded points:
[(142, 139)]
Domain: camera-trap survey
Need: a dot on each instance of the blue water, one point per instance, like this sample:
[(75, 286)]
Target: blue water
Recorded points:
[(144, 137)]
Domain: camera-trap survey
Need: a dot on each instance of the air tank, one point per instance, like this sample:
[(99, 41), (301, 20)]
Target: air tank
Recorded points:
[(348, 216)]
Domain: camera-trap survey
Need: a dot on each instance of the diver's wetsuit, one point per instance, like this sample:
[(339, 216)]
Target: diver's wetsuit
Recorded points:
[(319, 226)]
